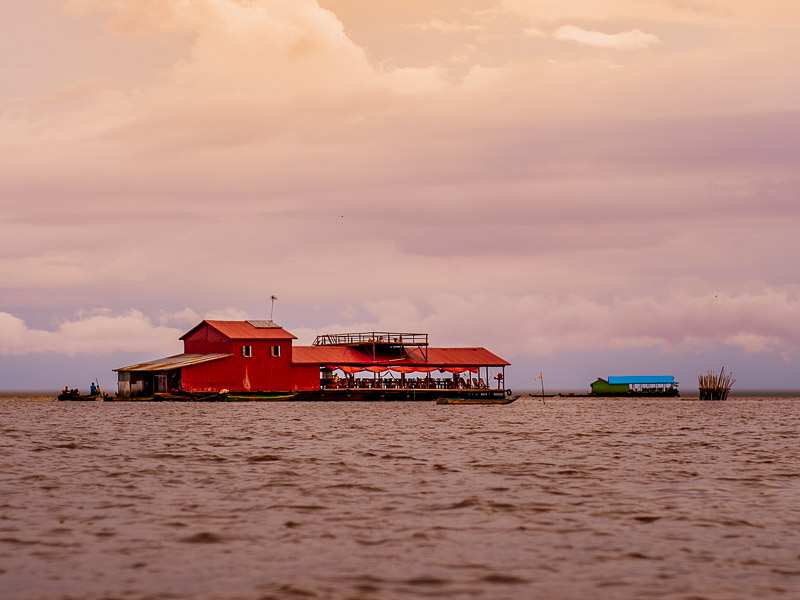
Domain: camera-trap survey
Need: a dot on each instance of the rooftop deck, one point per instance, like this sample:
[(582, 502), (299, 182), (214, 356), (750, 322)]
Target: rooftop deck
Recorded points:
[(372, 337)]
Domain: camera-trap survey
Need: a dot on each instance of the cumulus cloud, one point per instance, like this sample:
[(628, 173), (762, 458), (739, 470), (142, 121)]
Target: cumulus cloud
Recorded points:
[(534, 32), (546, 324), (275, 49), (711, 12), (184, 317), (757, 321), (230, 313), (97, 332), (634, 39), (441, 26)]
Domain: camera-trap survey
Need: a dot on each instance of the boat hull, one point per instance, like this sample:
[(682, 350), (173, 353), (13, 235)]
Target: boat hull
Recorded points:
[(78, 398), (191, 396), (475, 401)]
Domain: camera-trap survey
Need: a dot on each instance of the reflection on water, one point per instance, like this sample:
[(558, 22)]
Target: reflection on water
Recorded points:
[(575, 498)]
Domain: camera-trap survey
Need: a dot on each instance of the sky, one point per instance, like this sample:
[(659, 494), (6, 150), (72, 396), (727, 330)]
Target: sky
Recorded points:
[(586, 188)]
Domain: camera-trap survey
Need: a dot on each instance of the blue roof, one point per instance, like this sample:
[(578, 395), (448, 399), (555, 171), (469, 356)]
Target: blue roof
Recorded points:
[(636, 379)]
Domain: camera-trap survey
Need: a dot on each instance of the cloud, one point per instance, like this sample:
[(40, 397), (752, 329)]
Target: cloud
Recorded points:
[(547, 324), (185, 317), (759, 321), (441, 26), (277, 50), (229, 313), (715, 12), (534, 32), (95, 333), (635, 39), (284, 150)]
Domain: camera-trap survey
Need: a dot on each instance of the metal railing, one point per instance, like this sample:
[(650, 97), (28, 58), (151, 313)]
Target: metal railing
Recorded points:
[(372, 337)]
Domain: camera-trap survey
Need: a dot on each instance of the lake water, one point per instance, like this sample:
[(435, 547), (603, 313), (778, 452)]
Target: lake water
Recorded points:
[(575, 498)]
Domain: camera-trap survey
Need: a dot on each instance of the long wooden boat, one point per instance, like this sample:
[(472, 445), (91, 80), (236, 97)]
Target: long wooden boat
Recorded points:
[(191, 396), (452, 400), (260, 396), (76, 397)]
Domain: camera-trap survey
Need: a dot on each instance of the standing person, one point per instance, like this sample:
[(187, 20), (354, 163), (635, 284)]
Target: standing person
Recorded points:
[(92, 389)]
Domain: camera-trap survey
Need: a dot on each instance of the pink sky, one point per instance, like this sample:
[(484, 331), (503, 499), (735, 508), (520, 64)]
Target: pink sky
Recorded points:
[(586, 188)]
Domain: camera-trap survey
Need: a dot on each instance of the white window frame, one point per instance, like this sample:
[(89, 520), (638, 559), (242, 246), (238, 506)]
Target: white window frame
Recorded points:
[(247, 351), (275, 351)]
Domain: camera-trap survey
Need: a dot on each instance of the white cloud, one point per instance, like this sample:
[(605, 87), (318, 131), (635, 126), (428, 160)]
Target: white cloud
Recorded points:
[(534, 32), (229, 313), (449, 26), (717, 12), (95, 333), (634, 39), (412, 80), (544, 325), (535, 324), (753, 343), (184, 317), (276, 50)]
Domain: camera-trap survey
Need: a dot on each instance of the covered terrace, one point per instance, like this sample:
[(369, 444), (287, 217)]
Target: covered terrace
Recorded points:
[(415, 368)]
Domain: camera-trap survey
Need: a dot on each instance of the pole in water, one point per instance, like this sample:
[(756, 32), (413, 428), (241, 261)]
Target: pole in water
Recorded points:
[(542, 381)]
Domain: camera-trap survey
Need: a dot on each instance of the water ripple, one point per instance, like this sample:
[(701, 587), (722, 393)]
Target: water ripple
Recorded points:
[(572, 499)]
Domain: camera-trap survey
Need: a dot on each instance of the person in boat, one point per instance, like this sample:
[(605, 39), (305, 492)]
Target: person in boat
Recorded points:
[(92, 389), (65, 391)]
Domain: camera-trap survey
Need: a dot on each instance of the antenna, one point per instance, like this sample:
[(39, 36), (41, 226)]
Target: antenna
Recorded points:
[(272, 308)]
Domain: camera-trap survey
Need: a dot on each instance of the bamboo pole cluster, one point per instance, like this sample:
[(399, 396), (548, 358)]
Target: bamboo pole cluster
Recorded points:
[(713, 381)]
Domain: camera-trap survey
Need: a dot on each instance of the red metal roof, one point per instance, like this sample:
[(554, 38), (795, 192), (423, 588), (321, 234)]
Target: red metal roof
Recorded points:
[(244, 330), (461, 357), (320, 355), (437, 357), (174, 362)]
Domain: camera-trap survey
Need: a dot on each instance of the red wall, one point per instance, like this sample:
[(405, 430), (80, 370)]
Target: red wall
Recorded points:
[(207, 340), (260, 372), (304, 377)]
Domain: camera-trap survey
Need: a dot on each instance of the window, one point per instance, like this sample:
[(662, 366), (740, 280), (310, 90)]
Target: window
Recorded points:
[(275, 351), (247, 351)]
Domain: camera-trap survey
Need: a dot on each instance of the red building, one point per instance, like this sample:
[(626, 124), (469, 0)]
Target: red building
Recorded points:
[(258, 357)]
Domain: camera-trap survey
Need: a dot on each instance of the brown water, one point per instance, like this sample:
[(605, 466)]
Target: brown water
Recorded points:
[(577, 498)]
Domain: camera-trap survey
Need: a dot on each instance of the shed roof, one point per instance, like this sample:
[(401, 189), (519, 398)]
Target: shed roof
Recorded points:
[(173, 362), (437, 357), (245, 330), (639, 379)]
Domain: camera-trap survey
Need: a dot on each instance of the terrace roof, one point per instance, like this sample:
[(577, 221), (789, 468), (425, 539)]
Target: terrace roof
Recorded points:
[(436, 357), (642, 379)]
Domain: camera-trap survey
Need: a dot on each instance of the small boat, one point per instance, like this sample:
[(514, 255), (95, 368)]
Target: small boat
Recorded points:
[(451, 400), (75, 396)]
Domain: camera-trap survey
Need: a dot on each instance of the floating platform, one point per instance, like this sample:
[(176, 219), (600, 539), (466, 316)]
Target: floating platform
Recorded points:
[(464, 396)]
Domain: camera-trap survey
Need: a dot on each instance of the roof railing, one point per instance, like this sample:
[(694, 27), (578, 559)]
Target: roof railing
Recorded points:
[(372, 337)]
